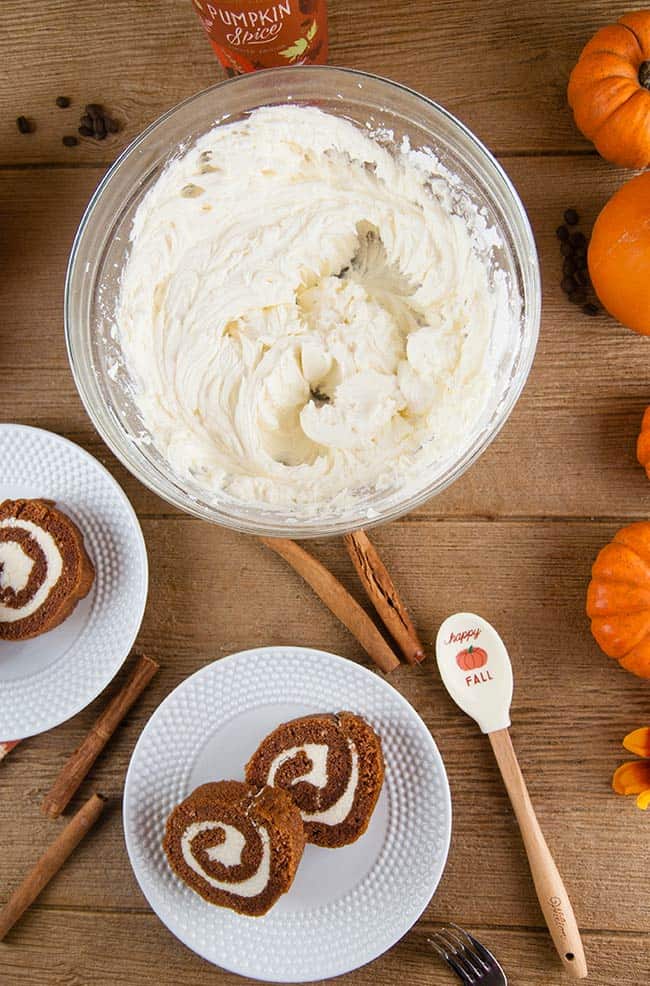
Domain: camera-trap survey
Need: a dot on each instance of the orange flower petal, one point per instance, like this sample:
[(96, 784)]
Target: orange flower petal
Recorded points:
[(638, 742), (632, 777), (643, 801)]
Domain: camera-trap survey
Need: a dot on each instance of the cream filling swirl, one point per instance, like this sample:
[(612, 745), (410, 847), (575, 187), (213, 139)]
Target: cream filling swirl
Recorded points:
[(17, 566), (317, 775), (229, 853)]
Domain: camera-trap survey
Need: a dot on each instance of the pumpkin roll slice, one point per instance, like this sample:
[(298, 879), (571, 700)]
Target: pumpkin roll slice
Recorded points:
[(236, 845), (334, 769), (44, 568)]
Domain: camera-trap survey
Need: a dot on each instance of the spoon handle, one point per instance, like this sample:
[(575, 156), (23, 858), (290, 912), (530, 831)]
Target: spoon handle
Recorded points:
[(550, 889)]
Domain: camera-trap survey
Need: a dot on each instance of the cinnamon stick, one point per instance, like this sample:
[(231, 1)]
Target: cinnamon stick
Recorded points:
[(50, 863), (383, 595), (328, 588), (75, 769)]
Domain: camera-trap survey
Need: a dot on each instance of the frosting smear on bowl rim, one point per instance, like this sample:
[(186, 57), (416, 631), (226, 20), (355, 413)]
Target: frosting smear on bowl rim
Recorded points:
[(307, 316)]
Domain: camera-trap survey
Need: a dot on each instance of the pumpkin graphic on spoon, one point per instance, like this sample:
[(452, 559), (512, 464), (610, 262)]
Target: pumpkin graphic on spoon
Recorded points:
[(471, 658)]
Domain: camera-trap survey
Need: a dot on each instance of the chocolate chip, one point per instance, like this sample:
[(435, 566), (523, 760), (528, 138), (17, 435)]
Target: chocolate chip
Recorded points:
[(62, 102), (85, 131), (566, 249), (578, 240), (69, 140), (571, 217), (562, 233), (569, 266), (568, 285), (591, 309), (24, 125)]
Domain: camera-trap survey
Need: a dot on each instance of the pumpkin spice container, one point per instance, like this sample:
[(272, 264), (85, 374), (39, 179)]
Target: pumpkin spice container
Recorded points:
[(248, 35)]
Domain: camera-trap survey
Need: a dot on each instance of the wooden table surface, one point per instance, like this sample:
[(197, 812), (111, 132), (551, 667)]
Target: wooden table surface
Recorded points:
[(513, 539)]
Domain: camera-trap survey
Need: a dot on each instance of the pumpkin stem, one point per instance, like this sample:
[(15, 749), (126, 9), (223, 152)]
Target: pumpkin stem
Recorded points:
[(644, 74), (470, 648)]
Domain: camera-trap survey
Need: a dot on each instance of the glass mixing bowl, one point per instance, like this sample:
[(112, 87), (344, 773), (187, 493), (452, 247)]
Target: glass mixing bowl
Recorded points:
[(101, 248)]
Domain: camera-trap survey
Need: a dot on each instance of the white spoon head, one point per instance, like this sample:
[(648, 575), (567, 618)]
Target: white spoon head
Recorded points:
[(475, 667)]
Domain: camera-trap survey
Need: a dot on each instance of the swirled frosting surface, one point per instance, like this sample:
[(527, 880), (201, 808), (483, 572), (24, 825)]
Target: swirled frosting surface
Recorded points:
[(304, 315)]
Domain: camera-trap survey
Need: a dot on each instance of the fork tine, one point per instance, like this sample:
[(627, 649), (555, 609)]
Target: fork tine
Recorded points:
[(442, 948), (478, 951), (460, 953)]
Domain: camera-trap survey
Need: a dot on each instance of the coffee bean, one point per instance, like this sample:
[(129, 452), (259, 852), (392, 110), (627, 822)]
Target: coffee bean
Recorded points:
[(69, 140), (569, 266), (571, 217), (581, 261), (578, 240), (24, 125), (86, 120), (111, 125), (63, 102), (582, 277), (85, 131), (94, 110), (591, 309), (566, 249), (562, 233), (568, 285), (100, 127), (577, 297)]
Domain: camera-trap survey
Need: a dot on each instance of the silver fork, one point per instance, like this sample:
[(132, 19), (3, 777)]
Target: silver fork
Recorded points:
[(472, 962)]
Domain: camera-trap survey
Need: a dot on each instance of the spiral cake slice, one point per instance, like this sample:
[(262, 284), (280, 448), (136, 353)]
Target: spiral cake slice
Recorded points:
[(236, 845), (333, 767), (44, 568)]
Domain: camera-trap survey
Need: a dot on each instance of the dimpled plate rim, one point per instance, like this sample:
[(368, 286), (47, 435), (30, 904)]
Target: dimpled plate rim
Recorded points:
[(63, 471), (313, 943)]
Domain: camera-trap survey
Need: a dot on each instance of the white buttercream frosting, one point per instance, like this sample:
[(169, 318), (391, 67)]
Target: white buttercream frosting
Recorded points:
[(229, 853), (317, 775), (303, 314), (17, 566)]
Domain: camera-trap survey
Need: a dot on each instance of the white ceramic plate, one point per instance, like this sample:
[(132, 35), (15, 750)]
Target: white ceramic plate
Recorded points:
[(50, 678), (346, 906)]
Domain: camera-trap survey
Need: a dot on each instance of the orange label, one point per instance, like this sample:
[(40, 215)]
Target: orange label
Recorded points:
[(247, 35)]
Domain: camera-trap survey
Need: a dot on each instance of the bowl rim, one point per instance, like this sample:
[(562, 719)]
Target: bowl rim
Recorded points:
[(304, 528)]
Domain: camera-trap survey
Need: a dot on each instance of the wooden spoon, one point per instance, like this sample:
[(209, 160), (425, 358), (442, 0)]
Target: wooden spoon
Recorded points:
[(476, 669)]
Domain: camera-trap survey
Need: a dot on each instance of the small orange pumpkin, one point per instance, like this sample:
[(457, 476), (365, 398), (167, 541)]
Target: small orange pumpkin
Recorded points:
[(609, 91), (471, 658), (619, 254), (618, 598), (643, 443)]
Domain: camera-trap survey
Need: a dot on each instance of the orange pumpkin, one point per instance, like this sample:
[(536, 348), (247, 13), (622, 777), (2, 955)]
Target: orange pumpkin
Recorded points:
[(643, 442), (471, 658), (618, 598), (609, 91), (619, 254)]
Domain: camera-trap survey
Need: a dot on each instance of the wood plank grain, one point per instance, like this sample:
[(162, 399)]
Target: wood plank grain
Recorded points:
[(568, 449), (571, 708), (70, 948), (502, 69)]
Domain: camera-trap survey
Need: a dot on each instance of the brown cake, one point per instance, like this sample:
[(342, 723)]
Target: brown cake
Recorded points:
[(236, 845), (334, 769), (44, 568)]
